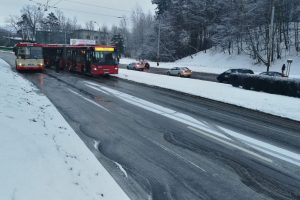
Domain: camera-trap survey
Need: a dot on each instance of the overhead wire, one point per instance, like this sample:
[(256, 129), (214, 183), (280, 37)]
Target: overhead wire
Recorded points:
[(93, 5), (93, 13), (77, 10)]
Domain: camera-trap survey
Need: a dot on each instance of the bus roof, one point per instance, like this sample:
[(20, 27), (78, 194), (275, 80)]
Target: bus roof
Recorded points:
[(28, 44)]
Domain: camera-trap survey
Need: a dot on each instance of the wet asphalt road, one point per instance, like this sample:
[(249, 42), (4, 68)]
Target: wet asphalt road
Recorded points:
[(166, 142)]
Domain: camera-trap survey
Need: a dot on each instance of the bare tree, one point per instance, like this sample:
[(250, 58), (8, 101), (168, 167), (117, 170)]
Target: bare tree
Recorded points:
[(90, 25), (32, 16), (12, 22)]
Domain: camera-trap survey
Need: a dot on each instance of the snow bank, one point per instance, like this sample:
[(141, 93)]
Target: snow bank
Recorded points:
[(166, 65), (269, 103), (41, 156), (218, 62)]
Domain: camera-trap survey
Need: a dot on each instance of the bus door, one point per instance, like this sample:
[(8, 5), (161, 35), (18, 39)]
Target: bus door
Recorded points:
[(89, 58)]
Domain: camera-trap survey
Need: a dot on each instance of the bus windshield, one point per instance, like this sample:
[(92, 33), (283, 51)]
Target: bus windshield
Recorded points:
[(104, 58), (30, 53)]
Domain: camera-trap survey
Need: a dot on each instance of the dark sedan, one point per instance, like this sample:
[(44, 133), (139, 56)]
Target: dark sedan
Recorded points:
[(224, 77)]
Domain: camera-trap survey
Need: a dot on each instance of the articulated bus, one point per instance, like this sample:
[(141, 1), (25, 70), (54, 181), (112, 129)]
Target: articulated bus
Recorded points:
[(29, 56), (87, 59)]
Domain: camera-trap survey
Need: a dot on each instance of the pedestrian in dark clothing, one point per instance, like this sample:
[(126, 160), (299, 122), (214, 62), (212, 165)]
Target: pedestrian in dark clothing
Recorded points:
[(283, 70)]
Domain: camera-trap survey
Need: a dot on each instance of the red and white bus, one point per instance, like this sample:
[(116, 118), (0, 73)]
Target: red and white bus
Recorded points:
[(29, 56), (87, 59)]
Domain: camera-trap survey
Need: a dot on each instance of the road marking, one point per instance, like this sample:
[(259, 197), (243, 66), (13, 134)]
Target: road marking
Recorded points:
[(232, 145), (274, 154), (176, 155), (267, 148), (166, 112), (202, 128), (88, 100), (95, 87)]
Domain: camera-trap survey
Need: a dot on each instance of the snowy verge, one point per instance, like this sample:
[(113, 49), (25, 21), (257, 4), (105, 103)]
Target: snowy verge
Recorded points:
[(217, 62), (41, 156), (282, 106), (2, 51)]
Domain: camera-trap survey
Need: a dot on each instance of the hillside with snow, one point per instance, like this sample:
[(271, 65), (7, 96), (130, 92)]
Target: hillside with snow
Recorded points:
[(217, 62)]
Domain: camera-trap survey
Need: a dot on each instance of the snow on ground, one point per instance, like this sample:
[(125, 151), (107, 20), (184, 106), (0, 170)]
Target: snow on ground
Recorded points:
[(41, 156), (218, 62), (269, 103)]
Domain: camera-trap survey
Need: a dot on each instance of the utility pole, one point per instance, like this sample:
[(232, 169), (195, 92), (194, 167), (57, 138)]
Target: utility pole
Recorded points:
[(271, 36), (123, 25), (99, 33), (158, 43), (65, 35)]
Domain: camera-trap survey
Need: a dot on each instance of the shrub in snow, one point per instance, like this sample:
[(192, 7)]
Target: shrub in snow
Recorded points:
[(274, 85)]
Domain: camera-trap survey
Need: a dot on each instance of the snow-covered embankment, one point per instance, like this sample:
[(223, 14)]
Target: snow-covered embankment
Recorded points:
[(41, 156)]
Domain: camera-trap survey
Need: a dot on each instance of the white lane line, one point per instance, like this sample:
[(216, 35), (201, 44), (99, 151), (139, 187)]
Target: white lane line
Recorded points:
[(177, 155), (92, 83), (88, 100), (96, 88), (276, 155), (166, 112), (267, 148), (232, 145), (192, 123)]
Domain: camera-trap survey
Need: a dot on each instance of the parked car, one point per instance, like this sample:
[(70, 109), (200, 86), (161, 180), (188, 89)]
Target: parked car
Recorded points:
[(180, 71), (139, 66), (132, 66), (224, 77), (271, 73), (143, 65)]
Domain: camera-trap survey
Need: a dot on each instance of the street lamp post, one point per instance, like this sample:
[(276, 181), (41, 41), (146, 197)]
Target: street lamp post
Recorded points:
[(289, 61), (124, 34), (158, 43), (98, 31)]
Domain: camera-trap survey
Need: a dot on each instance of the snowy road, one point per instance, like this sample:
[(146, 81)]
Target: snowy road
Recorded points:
[(165, 145)]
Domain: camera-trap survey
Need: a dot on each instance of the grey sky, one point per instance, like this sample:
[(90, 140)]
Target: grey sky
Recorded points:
[(83, 10)]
